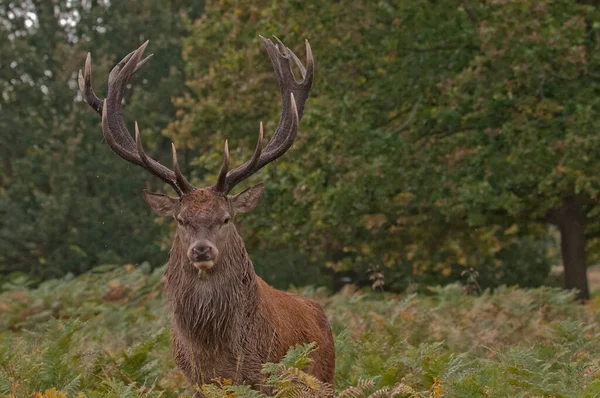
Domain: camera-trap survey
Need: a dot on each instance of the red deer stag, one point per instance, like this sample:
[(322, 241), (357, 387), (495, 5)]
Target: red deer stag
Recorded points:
[(226, 320)]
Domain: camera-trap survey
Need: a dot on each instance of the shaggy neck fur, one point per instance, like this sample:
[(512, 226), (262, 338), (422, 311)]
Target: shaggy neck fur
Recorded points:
[(212, 311)]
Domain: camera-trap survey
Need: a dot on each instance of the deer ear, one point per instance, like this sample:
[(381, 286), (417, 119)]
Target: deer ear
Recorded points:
[(247, 200), (161, 205)]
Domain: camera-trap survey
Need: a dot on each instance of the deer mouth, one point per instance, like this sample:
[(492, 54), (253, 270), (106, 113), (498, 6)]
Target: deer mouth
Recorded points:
[(203, 266)]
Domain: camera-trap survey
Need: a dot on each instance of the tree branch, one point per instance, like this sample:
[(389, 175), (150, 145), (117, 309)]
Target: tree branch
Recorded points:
[(410, 119), (470, 11)]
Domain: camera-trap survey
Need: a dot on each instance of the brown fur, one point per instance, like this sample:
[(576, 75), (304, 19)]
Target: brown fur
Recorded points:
[(228, 322)]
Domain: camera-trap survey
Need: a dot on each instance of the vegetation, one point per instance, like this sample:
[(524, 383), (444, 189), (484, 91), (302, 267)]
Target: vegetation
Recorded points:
[(444, 142), (61, 207), (440, 136), (106, 333)]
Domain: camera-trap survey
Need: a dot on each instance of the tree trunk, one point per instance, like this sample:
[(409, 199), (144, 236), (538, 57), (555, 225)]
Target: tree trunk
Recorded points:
[(571, 223)]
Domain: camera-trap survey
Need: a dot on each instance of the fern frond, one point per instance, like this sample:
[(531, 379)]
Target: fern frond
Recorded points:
[(293, 382), (299, 356), (360, 390), (244, 391), (403, 389), (5, 383), (381, 393)]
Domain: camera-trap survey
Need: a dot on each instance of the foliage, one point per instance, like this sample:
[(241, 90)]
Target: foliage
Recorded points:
[(381, 179), (513, 135), (514, 131), (438, 137), (105, 333), (66, 202)]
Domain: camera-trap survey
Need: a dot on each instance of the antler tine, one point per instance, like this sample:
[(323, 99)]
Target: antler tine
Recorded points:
[(294, 94), (246, 170), (298, 64), (166, 177), (221, 185), (185, 186), (119, 70), (295, 122), (115, 131), (85, 85), (142, 62)]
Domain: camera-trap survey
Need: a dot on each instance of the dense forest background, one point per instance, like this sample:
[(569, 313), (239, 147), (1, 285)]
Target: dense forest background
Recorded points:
[(443, 140)]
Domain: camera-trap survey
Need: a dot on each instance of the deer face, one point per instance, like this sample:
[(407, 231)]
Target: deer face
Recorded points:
[(205, 219)]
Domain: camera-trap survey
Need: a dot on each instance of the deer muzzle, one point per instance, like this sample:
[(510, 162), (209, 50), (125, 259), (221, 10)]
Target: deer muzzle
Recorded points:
[(202, 255)]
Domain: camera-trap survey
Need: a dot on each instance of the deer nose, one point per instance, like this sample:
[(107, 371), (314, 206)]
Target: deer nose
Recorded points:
[(202, 252)]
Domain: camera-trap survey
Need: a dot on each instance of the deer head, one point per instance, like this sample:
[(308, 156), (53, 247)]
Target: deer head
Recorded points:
[(204, 215)]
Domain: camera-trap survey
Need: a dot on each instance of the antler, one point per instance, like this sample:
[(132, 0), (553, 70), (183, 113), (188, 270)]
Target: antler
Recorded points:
[(115, 131), (294, 94)]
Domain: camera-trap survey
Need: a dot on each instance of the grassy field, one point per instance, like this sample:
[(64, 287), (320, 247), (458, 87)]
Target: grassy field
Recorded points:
[(106, 334)]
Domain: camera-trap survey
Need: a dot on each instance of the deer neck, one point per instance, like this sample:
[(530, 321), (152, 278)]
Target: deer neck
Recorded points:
[(214, 309)]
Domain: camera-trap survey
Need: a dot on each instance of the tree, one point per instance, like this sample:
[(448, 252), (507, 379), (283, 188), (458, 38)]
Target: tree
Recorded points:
[(348, 193), (514, 135), (61, 208)]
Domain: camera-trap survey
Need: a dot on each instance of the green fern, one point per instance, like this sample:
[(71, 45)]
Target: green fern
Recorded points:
[(244, 391), (136, 365), (297, 357), (65, 338)]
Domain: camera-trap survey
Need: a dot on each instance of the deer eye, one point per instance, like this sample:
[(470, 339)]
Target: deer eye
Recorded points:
[(226, 220), (181, 221)]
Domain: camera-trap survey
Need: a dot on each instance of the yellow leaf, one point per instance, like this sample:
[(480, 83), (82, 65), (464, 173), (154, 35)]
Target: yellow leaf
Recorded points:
[(404, 198), (371, 221), (513, 229), (437, 389), (51, 393)]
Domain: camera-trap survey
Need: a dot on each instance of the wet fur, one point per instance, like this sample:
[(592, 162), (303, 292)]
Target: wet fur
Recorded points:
[(228, 322)]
